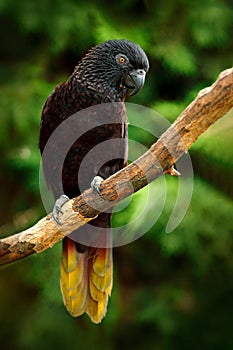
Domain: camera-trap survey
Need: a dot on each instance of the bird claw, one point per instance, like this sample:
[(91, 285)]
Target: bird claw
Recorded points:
[(57, 207), (95, 184)]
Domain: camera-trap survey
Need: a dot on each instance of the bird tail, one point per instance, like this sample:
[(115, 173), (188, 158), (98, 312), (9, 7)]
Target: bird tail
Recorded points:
[(86, 279)]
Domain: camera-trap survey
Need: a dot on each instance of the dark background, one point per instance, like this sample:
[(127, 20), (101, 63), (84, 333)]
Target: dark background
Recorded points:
[(171, 291)]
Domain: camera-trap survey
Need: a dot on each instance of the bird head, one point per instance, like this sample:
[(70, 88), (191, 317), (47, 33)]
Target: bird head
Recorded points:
[(119, 65)]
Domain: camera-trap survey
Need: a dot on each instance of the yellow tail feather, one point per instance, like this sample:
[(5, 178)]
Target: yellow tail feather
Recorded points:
[(86, 280)]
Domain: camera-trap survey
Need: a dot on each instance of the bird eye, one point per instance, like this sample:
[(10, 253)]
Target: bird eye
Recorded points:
[(121, 59)]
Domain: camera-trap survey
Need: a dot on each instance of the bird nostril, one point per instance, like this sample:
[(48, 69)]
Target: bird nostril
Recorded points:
[(141, 71)]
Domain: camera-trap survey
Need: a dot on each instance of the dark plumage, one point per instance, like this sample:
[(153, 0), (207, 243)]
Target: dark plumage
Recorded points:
[(107, 73)]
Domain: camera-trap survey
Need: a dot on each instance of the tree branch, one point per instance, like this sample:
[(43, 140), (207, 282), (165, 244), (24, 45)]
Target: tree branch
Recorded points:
[(210, 105)]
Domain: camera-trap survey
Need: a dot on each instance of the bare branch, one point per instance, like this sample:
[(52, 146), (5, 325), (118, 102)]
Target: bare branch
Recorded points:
[(210, 105)]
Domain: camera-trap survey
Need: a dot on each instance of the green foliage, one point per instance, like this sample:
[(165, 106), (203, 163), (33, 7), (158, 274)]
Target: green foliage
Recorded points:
[(169, 109), (216, 139), (209, 31), (180, 60), (172, 291), (202, 243)]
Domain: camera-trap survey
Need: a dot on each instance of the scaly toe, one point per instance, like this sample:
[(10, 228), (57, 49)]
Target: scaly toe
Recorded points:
[(95, 184), (57, 207)]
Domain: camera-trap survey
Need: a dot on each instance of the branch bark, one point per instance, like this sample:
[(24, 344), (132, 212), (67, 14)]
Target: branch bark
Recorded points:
[(211, 104)]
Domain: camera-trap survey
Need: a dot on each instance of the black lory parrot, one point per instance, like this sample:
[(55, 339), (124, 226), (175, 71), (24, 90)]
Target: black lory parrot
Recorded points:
[(107, 74)]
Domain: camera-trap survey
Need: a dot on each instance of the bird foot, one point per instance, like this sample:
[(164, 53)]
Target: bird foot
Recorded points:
[(57, 207), (95, 184)]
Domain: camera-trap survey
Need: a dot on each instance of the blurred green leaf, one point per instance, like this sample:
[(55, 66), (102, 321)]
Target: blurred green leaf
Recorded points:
[(171, 291)]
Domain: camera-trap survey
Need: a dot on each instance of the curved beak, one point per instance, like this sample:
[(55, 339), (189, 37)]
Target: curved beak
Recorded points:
[(135, 80)]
